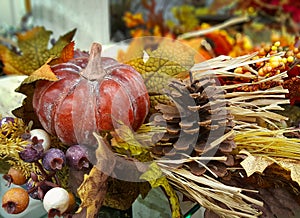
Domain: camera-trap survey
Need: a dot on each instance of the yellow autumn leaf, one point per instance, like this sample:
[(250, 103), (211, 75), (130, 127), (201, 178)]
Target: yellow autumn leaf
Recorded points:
[(159, 55), (125, 141), (158, 60), (290, 165), (44, 72), (254, 164), (257, 164), (135, 144), (33, 51), (156, 179)]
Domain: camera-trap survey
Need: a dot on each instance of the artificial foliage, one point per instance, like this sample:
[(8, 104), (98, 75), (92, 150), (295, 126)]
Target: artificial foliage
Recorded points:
[(218, 128)]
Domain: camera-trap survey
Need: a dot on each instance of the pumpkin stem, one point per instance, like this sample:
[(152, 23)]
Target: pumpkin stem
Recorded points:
[(94, 69)]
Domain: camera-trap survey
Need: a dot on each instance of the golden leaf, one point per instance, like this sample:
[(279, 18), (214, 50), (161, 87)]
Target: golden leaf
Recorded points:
[(290, 165), (156, 178), (93, 189), (159, 60), (34, 52), (257, 164), (44, 72), (125, 141), (254, 164), (169, 57)]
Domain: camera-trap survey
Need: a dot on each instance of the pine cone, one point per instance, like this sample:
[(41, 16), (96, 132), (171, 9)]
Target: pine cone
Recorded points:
[(195, 118)]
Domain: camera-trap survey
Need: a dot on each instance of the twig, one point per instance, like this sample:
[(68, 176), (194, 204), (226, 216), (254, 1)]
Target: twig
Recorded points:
[(227, 23)]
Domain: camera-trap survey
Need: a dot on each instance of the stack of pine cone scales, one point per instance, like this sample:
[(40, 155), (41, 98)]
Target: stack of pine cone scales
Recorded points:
[(198, 124)]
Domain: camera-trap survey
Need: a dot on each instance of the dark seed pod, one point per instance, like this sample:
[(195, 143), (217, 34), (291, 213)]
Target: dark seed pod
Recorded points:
[(32, 153), (15, 200), (54, 159), (77, 157)]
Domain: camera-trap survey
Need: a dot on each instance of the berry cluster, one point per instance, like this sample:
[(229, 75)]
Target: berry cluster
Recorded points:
[(276, 64), (279, 59), (43, 184)]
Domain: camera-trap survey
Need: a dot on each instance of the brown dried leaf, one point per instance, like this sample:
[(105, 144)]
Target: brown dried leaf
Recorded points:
[(93, 189)]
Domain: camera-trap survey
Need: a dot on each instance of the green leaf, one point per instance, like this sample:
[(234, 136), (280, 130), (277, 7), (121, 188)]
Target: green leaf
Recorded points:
[(33, 51), (156, 179), (158, 60), (124, 142)]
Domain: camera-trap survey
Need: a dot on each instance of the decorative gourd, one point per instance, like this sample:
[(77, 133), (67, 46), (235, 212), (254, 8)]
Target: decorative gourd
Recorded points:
[(93, 93)]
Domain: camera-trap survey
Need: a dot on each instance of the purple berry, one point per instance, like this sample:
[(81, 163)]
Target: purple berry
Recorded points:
[(54, 159), (77, 157), (32, 152)]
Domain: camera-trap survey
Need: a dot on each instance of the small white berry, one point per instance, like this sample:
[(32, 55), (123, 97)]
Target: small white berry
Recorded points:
[(41, 134), (56, 198)]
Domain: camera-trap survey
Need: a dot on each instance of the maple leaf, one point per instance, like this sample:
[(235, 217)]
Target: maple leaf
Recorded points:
[(66, 54), (33, 51), (156, 179), (158, 60), (27, 87), (258, 164)]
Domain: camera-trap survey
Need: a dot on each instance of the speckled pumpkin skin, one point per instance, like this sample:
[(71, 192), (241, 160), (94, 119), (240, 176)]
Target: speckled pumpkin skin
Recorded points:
[(74, 106)]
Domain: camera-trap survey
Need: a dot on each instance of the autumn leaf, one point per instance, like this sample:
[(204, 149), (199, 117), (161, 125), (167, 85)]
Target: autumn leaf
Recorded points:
[(124, 141), (66, 54), (135, 144), (254, 164), (33, 51), (258, 164), (164, 56), (290, 165), (93, 189), (156, 179), (44, 72), (158, 60), (27, 87)]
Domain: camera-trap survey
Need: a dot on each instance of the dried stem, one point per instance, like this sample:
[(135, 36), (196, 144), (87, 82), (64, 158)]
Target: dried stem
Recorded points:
[(94, 69)]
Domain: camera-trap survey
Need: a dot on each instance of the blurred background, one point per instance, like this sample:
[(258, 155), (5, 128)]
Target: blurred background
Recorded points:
[(108, 21)]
